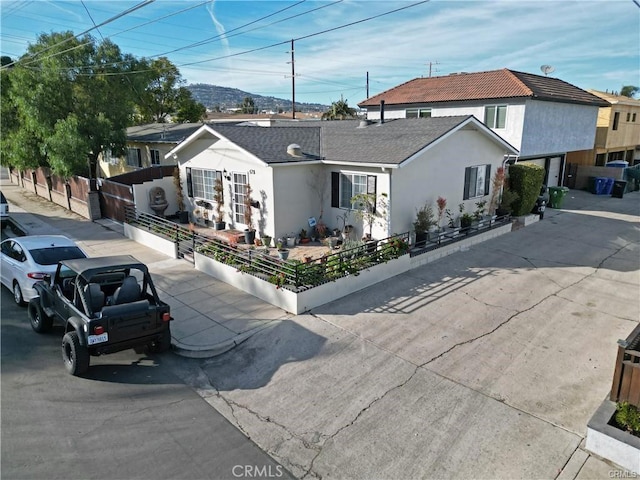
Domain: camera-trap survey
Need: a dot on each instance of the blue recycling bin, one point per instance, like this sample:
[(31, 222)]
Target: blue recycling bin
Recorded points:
[(608, 186)]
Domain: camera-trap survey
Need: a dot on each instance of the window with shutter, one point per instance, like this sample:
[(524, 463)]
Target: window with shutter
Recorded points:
[(477, 181)]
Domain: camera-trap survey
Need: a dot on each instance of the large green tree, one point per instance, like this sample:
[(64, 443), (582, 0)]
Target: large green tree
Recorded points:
[(69, 99), (629, 91), (164, 94)]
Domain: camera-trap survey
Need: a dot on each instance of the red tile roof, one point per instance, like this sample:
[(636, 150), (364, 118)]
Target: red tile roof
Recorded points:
[(495, 84)]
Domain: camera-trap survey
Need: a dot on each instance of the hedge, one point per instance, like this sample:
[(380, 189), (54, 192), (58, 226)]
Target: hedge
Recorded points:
[(526, 180)]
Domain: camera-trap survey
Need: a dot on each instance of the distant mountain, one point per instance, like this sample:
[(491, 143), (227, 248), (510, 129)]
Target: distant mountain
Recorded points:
[(213, 97)]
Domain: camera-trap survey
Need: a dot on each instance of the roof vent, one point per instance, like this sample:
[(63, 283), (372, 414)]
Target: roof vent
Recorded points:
[(363, 124), (294, 150)]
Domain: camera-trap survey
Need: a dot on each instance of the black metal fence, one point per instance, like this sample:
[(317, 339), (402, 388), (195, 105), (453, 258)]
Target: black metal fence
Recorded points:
[(293, 274)]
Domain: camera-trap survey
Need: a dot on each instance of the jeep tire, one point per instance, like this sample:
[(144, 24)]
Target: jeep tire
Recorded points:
[(40, 321), (75, 356)]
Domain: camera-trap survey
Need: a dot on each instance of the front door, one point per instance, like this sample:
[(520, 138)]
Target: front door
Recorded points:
[(240, 181)]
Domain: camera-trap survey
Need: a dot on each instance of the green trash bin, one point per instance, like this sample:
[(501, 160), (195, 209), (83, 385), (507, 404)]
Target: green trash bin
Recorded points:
[(556, 195)]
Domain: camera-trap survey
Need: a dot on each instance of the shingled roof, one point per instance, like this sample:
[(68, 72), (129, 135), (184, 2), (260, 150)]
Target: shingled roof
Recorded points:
[(492, 85), (347, 141), (161, 132)]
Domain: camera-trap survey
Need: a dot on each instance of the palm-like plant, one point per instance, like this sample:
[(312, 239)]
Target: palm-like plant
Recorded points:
[(339, 110)]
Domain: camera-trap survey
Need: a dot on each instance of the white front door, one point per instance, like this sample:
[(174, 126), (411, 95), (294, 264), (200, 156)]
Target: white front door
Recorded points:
[(239, 191), (554, 172)]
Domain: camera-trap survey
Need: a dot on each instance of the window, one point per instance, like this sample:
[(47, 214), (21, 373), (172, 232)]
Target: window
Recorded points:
[(134, 158), (240, 181), (418, 113), (202, 182), (476, 181), (155, 157), (616, 120), (345, 185), (110, 158), (495, 116), (633, 117), (628, 116)]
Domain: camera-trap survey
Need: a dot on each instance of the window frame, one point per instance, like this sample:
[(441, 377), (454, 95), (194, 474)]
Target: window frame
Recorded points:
[(616, 120), (130, 151), (154, 156), (239, 184), (419, 112), (200, 187), (496, 117), (345, 201), (471, 188)]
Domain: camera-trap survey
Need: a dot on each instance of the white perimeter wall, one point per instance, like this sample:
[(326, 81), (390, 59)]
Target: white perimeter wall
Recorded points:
[(141, 195)]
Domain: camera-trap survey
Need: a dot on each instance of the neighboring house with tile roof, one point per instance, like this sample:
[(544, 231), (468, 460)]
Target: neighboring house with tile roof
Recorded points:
[(312, 169), (617, 133), (543, 117), (147, 146)]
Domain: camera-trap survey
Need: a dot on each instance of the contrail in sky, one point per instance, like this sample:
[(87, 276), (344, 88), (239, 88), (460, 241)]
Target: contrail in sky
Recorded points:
[(221, 32)]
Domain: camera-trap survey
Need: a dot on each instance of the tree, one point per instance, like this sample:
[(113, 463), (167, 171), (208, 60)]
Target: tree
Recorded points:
[(68, 101), (247, 105), (339, 110), (629, 91), (188, 110)]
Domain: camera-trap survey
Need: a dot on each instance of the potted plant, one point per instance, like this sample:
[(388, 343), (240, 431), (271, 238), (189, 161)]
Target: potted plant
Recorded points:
[(422, 224), (478, 214), (303, 236), (218, 197), (250, 232), (183, 215), (369, 208), (283, 253), (441, 202), (266, 240), (205, 216)]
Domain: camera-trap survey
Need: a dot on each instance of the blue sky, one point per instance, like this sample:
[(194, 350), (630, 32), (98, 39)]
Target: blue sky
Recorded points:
[(590, 43)]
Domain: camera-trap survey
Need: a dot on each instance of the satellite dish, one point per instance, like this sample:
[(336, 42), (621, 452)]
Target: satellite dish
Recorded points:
[(546, 69)]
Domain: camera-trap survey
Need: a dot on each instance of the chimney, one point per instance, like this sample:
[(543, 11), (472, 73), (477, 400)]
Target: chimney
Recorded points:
[(381, 112)]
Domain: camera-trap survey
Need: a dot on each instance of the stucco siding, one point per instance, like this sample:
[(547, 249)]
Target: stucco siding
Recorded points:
[(440, 172), (545, 120)]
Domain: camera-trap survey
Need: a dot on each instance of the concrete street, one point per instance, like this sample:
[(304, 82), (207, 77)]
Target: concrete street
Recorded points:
[(485, 364)]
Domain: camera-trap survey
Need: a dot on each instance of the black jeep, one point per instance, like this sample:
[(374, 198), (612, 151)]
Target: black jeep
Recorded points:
[(106, 304)]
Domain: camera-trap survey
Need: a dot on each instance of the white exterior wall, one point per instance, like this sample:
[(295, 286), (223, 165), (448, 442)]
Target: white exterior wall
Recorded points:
[(512, 133), (440, 173), (551, 127), (220, 155), (141, 195), (380, 228)]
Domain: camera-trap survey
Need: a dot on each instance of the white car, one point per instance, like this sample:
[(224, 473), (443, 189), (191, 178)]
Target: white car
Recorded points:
[(26, 260)]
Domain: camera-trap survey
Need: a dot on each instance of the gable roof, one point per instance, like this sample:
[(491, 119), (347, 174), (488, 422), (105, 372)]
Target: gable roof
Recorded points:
[(614, 99), (346, 141), (492, 85), (395, 141), (161, 132)]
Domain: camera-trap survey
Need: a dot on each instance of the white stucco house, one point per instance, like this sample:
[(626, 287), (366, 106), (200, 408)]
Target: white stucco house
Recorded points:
[(312, 169), (542, 117)]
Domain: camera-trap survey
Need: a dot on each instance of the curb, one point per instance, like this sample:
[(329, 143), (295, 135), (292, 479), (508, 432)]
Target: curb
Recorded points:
[(210, 351)]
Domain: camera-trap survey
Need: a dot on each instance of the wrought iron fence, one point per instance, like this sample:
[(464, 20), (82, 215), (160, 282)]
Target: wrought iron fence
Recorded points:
[(294, 275)]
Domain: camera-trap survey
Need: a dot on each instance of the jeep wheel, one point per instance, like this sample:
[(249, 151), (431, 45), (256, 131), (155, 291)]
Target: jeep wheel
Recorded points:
[(40, 321), (75, 356), (17, 293), (163, 344)]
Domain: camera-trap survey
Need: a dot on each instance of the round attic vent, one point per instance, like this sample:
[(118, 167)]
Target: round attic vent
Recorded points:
[(294, 150)]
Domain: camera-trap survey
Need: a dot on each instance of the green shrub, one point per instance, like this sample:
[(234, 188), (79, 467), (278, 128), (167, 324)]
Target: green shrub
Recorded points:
[(628, 417), (525, 179)]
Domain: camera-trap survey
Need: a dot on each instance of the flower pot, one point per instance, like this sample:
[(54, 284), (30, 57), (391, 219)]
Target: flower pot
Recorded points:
[(220, 225), (266, 240), (183, 216), (421, 239), (291, 241), (305, 240), (249, 236), (283, 254)]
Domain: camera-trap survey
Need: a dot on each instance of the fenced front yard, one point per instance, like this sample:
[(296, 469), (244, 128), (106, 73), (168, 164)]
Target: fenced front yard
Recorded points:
[(297, 285)]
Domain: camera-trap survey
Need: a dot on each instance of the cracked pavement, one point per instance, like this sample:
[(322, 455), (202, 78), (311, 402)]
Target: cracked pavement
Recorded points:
[(485, 364)]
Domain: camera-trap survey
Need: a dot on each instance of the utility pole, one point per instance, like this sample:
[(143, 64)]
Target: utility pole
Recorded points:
[(430, 65), (293, 82)]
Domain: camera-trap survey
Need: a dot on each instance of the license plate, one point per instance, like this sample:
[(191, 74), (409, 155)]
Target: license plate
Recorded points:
[(93, 339)]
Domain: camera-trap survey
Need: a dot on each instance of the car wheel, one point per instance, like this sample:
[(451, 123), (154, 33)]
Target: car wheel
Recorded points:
[(40, 321), (17, 293), (163, 344), (75, 356)]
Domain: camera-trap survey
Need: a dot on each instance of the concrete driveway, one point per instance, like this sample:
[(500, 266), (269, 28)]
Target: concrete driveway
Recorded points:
[(485, 364)]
